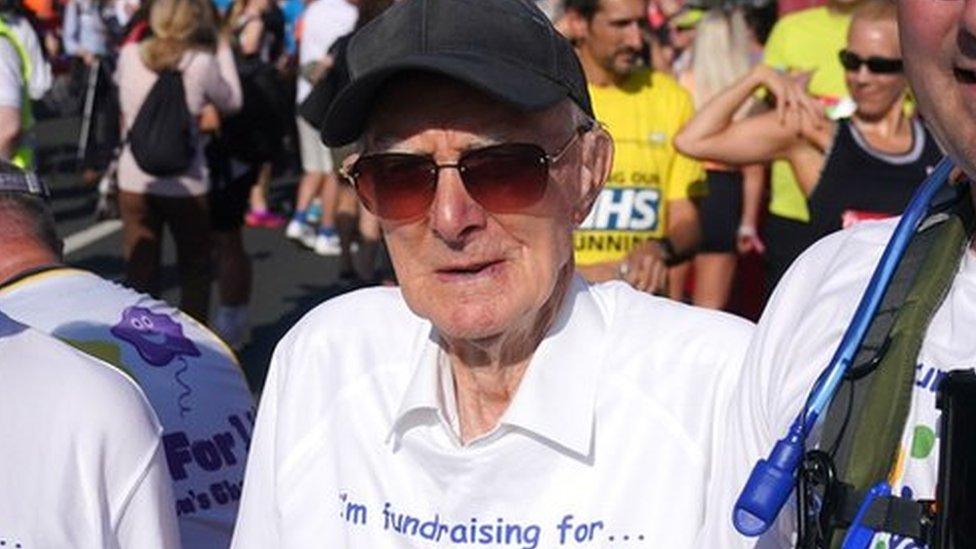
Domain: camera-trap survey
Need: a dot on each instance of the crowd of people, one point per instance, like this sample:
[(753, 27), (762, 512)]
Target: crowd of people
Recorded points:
[(691, 196), (507, 183)]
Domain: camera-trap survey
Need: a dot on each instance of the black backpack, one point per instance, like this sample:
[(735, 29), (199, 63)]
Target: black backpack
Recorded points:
[(162, 137)]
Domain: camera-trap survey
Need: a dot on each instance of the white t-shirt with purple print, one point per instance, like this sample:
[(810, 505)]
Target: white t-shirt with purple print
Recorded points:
[(192, 380)]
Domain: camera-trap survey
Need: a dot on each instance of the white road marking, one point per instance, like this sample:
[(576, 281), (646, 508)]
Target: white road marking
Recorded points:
[(91, 235)]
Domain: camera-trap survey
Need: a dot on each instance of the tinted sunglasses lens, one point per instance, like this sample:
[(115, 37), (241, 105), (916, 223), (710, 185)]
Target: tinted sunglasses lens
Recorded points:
[(877, 65), (849, 61), (395, 186), (880, 65), (506, 178)]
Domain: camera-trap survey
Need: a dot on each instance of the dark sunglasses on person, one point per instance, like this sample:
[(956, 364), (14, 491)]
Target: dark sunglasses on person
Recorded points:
[(503, 178), (878, 65)]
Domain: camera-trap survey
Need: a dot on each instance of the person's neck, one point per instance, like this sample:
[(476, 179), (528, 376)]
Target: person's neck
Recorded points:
[(16, 259), (488, 372), (887, 130), (596, 74)]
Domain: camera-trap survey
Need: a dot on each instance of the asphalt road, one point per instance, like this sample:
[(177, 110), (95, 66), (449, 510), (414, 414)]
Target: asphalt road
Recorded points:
[(288, 280)]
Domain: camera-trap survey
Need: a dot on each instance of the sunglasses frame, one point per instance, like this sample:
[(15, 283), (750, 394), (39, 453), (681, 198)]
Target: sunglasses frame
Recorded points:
[(352, 173), (875, 64)]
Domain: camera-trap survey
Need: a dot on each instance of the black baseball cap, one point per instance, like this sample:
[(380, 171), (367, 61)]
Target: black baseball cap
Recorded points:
[(14, 179), (507, 49)]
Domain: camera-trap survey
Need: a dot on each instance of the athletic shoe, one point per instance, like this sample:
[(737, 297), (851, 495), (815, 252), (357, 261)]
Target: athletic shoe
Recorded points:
[(232, 325), (297, 230), (327, 243), (264, 218)]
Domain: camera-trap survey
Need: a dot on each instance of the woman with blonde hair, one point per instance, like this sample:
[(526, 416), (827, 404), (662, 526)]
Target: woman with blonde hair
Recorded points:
[(184, 39), (864, 166), (721, 54)]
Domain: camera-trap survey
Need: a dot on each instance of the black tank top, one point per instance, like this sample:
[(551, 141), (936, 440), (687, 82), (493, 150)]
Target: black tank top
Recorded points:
[(858, 182)]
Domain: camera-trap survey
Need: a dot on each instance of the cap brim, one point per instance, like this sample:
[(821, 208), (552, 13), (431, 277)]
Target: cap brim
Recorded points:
[(506, 81)]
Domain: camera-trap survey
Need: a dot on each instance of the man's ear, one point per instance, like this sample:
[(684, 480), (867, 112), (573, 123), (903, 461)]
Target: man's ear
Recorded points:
[(346, 165), (574, 26), (597, 161)]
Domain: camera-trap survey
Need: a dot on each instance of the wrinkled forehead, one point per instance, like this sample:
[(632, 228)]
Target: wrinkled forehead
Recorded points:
[(417, 103)]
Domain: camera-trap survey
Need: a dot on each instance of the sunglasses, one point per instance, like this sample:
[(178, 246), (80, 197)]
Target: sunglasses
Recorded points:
[(503, 178), (877, 65)]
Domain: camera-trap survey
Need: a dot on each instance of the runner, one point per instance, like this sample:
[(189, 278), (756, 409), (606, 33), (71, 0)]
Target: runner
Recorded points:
[(184, 37), (646, 218), (803, 44), (730, 211), (324, 21), (494, 397), (190, 378), (82, 462), (865, 166), (810, 309)]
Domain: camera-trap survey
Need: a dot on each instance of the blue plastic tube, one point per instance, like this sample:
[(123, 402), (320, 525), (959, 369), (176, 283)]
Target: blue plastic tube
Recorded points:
[(773, 478)]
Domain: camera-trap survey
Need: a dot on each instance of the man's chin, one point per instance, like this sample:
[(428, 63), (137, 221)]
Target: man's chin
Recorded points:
[(471, 325), (624, 70)]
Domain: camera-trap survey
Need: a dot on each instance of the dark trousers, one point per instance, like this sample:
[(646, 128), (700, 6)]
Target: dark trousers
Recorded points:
[(188, 218)]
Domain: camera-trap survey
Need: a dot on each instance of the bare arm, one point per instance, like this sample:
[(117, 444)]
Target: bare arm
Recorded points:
[(600, 272), (753, 185), (9, 131), (684, 227), (250, 39), (713, 135), (223, 86)]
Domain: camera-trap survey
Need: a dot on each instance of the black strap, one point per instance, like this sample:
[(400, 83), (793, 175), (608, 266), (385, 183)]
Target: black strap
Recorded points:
[(895, 515)]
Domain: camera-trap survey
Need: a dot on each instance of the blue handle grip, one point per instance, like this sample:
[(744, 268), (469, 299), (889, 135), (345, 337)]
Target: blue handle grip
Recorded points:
[(769, 485)]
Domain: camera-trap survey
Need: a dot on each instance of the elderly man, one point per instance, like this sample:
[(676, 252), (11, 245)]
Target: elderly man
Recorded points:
[(82, 462), (494, 398), (191, 379), (816, 299)]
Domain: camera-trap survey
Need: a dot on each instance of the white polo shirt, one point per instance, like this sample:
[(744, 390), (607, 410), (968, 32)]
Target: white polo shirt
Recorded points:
[(81, 462), (797, 336), (191, 378), (607, 442)]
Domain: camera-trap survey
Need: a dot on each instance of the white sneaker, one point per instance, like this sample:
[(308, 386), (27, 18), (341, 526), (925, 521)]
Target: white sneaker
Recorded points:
[(232, 325), (327, 244), (300, 232)]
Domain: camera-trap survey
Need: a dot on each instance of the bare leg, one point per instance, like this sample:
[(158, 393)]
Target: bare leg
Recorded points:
[(714, 273), (259, 192), (308, 188)]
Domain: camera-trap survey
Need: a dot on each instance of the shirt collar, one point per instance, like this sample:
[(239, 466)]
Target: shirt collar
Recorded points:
[(556, 399)]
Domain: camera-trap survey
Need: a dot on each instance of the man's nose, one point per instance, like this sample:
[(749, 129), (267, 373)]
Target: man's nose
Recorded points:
[(632, 36), (967, 34), (862, 74), (454, 215)]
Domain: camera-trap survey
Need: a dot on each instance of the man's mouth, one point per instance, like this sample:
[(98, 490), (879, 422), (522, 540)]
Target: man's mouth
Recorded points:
[(468, 271), (965, 76)]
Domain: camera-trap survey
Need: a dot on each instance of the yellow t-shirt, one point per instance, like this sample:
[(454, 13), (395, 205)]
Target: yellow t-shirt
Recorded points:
[(642, 116), (804, 41)]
